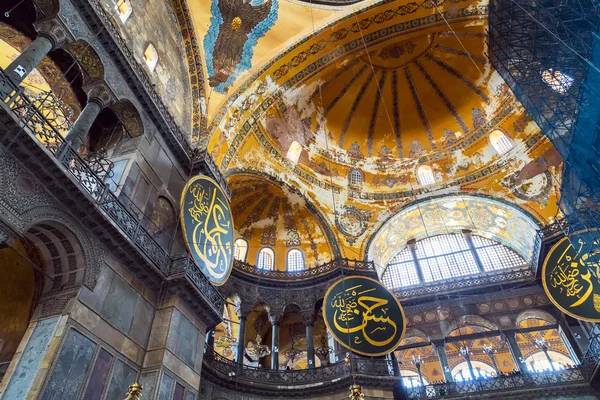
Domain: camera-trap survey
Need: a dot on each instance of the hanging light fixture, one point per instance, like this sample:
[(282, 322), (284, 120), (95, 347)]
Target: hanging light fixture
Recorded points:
[(356, 392)]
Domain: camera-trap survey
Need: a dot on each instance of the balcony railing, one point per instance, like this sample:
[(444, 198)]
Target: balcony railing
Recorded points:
[(36, 119), (352, 265), (529, 381), (332, 373), (467, 282)]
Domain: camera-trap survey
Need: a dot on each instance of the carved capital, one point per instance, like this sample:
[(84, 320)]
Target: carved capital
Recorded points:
[(54, 29), (308, 318), (243, 310), (100, 93), (275, 317)]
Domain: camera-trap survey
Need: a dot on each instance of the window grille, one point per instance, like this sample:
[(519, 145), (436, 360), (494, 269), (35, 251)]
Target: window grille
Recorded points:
[(500, 142), (356, 178), (425, 175), (295, 260), (266, 259), (401, 271), (240, 250)]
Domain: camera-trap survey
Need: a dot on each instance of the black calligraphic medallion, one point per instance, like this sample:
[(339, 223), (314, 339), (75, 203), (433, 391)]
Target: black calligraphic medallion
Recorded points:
[(363, 316), (571, 275), (208, 227)]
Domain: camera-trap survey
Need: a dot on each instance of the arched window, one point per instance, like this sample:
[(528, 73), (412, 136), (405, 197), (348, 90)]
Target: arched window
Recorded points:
[(162, 221), (295, 260), (356, 178), (448, 256), (240, 250), (294, 152), (558, 81), (124, 9), (401, 271), (461, 372), (410, 379), (538, 362), (500, 142), (266, 259), (151, 57), (425, 175)]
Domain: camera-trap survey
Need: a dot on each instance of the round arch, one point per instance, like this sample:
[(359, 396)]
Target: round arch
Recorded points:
[(490, 218)]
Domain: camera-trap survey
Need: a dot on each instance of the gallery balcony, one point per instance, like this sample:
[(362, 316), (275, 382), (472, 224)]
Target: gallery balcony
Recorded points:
[(33, 130)]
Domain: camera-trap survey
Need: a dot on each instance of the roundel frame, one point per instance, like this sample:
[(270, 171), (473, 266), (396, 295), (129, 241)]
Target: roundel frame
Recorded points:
[(185, 235), (342, 342), (544, 284)]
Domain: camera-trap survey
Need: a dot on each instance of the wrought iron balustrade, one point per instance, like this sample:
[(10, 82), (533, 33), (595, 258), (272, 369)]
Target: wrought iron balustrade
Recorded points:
[(465, 282), (347, 264), (186, 265), (332, 373), (34, 119), (528, 381)]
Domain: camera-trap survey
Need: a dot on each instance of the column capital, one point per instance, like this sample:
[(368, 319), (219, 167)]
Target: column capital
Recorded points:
[(308, 318), (411, 243), (275, 317), (99, 93), (54, 29), (243, 310), (438, 343)]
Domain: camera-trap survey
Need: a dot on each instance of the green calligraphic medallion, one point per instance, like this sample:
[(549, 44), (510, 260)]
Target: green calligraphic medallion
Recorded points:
[(363, 316), (571, 275), (208, 227)]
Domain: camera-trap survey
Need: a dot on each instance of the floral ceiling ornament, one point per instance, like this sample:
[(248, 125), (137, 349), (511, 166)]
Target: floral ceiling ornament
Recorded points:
[(255, 350)]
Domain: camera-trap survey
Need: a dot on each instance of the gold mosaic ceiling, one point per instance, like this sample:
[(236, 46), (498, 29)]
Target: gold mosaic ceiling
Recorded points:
[(268, 214), (384, 88)]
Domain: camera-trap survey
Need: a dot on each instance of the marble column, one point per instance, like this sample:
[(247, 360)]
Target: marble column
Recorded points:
[(29, 59), (513, 346), (241, 345), (275, 319), (84, 122), (441, 352), (309, 321)]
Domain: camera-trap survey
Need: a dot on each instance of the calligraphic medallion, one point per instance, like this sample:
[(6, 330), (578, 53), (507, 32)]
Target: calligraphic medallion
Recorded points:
[(208, 227), (571, 275), (363, 316)]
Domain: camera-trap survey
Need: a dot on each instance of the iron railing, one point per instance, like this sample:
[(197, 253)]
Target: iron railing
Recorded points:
[(185, 265), (527, 381), (352, 265), (37, 121), (228, 369), (466, 282)]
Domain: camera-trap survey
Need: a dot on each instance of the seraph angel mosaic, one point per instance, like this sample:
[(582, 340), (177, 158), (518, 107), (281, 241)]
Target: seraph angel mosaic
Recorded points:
[(235, 27)]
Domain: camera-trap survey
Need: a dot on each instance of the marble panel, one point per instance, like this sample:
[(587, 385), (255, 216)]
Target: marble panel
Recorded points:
[(187, 338), (122, 376), (70, 368), (148, 382), (119, 306), (166, 387), (30, 361), (99, 376)]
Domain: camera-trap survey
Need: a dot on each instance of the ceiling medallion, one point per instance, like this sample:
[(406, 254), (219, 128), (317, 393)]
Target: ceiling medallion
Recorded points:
[(352, 222)]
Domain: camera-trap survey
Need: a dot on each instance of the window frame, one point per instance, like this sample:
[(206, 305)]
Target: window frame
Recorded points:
[(271, 253), (500, 141), (422, 176), (235, 244), (287, 260)]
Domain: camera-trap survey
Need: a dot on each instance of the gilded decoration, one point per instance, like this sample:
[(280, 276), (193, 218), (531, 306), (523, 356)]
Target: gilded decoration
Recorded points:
[(267, 213), (363, 316), (207, 227), (571, 275), (487, 217)]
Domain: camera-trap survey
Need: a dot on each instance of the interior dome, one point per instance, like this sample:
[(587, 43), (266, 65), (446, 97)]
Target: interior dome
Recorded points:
[(271, 215)]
